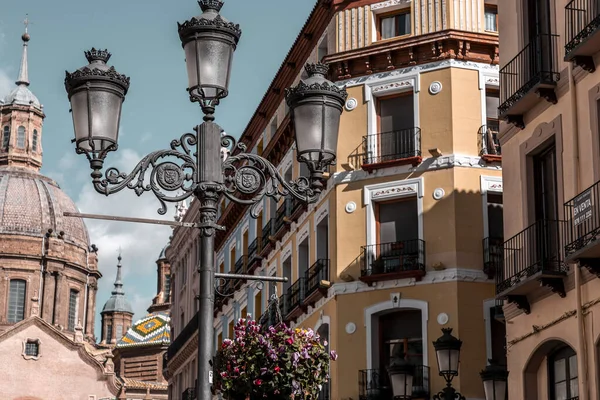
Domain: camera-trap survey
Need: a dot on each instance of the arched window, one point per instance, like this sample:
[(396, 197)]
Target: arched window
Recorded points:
[(73, 308), (6, 137), (21, 137), (563, 374), (34, 142), (16, 300)]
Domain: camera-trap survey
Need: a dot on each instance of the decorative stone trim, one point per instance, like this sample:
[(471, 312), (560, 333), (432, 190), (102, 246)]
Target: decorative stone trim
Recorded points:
[(39, 348), (389, 3), (286, 252)]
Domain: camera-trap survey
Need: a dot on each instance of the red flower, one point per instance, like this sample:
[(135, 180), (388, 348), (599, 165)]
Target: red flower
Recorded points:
[(277, 369), (257, 382), (289, 341)]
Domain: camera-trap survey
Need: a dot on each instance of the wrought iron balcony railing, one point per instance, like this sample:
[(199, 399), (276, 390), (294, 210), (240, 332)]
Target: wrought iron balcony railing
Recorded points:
[(284, 305), (182, 337), (393, 260), (283, 213), (240, 264), (189, 394), (533, 70), (268, 231), (535, 252), (582, 19), (492, 256), (489, 145), (582, 231), (374, 384), (296, 294), (396, 147), (316, 275)]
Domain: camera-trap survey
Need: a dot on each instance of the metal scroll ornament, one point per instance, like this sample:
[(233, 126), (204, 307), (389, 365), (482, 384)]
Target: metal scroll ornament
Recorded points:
[(248, 178), (169, 174)]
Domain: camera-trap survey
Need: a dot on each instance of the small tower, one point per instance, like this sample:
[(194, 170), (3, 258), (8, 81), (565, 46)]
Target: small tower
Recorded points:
[(21, 120), (162, 300), (116, 313)]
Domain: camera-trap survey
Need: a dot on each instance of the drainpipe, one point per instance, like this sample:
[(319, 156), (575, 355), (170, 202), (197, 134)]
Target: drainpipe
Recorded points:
[(581, 348)]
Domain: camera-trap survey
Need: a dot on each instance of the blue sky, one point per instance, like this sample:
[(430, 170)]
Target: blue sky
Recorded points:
[(142, 36)]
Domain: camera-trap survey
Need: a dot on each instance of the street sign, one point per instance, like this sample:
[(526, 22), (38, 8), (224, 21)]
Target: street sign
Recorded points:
[(582, 208)]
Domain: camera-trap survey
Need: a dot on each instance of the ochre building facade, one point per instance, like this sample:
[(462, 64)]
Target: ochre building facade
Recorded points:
[(549, 280), (407, 236)]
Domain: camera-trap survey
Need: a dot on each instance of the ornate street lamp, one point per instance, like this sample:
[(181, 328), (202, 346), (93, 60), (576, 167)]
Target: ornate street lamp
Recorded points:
[(495, 379), (447, 352), (401, 374), (193, 165)]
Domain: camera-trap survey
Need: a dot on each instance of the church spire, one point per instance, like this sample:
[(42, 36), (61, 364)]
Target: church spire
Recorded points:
[(23, 71), (118, 281)]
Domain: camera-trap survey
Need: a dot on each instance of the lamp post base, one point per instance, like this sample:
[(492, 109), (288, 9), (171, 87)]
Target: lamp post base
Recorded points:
[(448, 393)]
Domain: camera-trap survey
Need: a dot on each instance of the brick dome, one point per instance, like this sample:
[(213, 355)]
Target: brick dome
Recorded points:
[(31, 203)]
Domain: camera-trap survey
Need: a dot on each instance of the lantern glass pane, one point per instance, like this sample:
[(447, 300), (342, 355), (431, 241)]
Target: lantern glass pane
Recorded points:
[(308, 126), (402, 385), (79, 109), (208, 63), (448, 361)]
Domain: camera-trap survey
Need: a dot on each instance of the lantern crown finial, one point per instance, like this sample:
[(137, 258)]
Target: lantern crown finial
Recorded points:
[(97, 55), (206, 5), (316, 69)]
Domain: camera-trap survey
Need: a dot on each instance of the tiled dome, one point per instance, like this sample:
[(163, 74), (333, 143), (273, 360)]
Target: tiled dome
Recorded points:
[(21, 95), (150, 330), (31, 203)]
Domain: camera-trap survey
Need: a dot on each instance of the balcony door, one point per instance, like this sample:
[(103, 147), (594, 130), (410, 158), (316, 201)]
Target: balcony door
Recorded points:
[(400, 331), (546, 205), (538, 23), (397, 247), (396, 137)]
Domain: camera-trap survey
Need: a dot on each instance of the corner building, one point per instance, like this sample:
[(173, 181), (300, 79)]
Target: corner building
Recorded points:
[(406, 238), (549, 102)]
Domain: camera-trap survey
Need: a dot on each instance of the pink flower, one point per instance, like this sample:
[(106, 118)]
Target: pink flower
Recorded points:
[(333, 355), (224, 374), (257, 382), (289, 341), (276, 369)]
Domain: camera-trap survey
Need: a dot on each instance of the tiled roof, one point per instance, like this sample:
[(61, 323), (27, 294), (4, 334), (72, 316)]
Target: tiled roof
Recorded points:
[(30, 204), (153, 329), (135, 384)]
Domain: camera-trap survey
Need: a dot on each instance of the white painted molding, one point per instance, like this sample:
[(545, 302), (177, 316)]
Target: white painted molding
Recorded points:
[(321, 213), (382, 77), (488, 184), (389, 5), (303, 232), (391, 190), (428, 164), (324, 319), (286, 253), (487, 318), (405, 304)]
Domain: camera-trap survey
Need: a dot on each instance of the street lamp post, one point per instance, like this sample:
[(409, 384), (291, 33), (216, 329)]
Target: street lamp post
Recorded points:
[(193, 165), (495, 378), (447, 351)]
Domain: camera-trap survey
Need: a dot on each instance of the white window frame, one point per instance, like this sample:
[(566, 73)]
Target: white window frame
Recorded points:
[(398, 84), (389, 6), (405, 304), (488, 184), (487, 318), (388, 191), (487, 79)]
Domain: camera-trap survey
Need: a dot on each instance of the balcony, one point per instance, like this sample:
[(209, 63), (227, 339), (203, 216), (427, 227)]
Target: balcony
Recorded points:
[(267, 238), (189, 394), (298, 208), (282, 218), (241, 267), (492, 256), (181, 339), (254, 258), (317, 282), (390, 149), (295, 297), (374, 384), (583, 41), (531, 74), (531, 257), (582, 232), (284, 306), (489, 145), (397, 260)]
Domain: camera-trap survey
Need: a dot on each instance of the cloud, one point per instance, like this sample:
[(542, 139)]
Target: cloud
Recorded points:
[(140, 244), (6, 83)]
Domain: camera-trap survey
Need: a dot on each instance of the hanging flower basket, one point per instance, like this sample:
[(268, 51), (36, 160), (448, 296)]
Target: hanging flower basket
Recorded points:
[(280, 363)]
